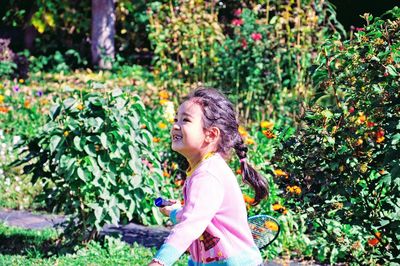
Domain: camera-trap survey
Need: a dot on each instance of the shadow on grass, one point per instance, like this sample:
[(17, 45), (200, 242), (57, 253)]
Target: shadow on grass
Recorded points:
[(29, 245)]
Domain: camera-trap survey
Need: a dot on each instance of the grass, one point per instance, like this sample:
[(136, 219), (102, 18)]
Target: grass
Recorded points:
[(38, 247)]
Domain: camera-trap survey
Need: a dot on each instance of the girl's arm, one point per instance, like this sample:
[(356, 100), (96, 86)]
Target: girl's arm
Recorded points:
[(203, 200)]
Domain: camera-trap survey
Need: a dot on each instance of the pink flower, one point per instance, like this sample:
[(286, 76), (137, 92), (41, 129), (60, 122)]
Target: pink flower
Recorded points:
[(244, 43), (360, 29), (237, 22), (256, 36), (237, 12)]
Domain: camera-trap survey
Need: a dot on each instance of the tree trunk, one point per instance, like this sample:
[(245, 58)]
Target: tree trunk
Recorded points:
[(103, 32)]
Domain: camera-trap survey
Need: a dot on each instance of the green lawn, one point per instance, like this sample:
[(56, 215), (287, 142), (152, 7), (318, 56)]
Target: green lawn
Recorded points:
[(38, 247)]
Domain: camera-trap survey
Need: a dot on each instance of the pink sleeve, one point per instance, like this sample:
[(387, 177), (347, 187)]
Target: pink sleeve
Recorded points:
[(203, 199)]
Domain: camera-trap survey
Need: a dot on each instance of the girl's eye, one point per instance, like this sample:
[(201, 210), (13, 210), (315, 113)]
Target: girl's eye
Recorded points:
[(186, 120)]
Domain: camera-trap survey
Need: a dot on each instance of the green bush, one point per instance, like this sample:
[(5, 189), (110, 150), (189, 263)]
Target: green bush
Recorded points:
[(185, 37), (346, 157), (95, 158)]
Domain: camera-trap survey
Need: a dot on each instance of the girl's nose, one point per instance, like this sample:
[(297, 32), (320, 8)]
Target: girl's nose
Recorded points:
[(175, 126)]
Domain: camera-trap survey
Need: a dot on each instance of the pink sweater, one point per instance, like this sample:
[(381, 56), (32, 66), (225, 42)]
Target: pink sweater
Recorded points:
[(213, 221)]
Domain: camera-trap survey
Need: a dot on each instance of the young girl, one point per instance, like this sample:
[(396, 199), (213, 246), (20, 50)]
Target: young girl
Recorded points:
[(213, 221)]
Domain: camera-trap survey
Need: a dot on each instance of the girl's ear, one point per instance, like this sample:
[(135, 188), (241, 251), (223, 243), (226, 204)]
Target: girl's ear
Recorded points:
[(212, 134)]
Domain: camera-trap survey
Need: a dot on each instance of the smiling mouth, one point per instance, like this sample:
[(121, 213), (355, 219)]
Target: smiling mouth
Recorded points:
[(176, 138)]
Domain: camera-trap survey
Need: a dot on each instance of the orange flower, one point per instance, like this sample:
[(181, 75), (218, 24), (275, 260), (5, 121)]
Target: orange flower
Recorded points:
[(143, 126), (373, 241), (277, 207), (271, 225), (178, 182), (359, 142), (361, 118), (3, 109), (269, 134), (242, 132), (249, 141), (380, 136), (279, 172), (79, 107), (156, 140), (248, 199), (267, 125), (27, 103), (163, 94), (166, 174), (239, 171), (294, 189)]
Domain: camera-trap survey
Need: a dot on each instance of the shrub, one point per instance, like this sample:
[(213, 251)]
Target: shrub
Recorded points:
[(184, 35), (94, 157), (346, 157)]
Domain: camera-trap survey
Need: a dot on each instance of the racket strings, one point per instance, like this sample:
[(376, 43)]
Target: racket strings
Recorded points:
[(262, 233)]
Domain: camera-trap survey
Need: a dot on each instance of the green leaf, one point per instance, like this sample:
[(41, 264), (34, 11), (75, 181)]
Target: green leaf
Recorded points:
[(103, 139), (391, 70), (90, 150), (157, 215), (54, 142), (55, 111), (77, 143), (68, 103), (116, 92), (81, 174)]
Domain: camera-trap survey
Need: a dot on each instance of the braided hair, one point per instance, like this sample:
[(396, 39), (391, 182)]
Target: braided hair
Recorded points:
[(219, 112)]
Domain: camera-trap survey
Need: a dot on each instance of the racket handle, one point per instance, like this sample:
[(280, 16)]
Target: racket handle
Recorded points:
[(160, 202)]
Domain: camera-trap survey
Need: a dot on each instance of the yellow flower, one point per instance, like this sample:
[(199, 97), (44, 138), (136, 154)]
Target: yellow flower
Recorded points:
[(79, 107), (364, 168), (341, 168), (271, 225), (66, 133), (163, 94), (279, 172), (380, 139), (174, 166), (277, 207), (361, 118), (242, 131), (156, 140), (2, 98), (267, 124), (163, 101), (162, 125), (21, 81), (249, 141)]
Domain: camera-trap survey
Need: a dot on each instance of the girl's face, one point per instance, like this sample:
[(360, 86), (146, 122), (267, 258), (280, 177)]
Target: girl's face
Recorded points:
[(187, 133)]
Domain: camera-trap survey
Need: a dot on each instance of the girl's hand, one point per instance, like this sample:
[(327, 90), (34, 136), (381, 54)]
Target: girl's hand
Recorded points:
[(174, 204)]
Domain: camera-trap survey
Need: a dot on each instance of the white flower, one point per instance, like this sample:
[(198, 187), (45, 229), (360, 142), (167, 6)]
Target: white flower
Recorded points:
[(17, 188)]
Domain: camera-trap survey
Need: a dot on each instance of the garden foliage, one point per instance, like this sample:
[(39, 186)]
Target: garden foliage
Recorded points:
[(95, 158), (346, 157)]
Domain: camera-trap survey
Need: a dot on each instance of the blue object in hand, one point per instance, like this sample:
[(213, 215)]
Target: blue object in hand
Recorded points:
[(160, 202)]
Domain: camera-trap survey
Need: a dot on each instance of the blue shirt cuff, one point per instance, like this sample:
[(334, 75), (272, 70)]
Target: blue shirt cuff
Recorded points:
[(172, 215), (168, 254)]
